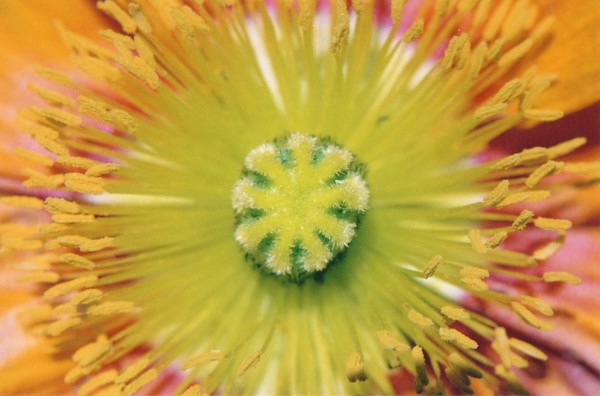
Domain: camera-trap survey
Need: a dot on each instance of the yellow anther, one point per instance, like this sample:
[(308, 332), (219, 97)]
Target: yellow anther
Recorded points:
[(65, 218), (22, 202), (69, 286), (96, 382), (477, 60), (565, 148), (450, 53), (355, 368), (497, 194), (84, 184), (111, 307), (211, 356), (132, 371), (57, 328), (115, 11), (51, 97), (86, 297), (389, 342), (474, 272), (442, 7), (341, 27), (91, 353), (509, 91), (476, 242), (414, 31), (538, 304), (559, 225), (458, 338), (248, 362), (527, 349), (515, 53), (54, 76), (475, 284), (561, 276), (77, 373), (118, 118), (542, 171), (521, 221), (543, 114), (97, 68), (188, 22), (138, 16), (58, 115), (52, 145), (526, 196), (35, 314), (418, 358), (550, 248), (40, 276), (37, 158), (85, 244), (432, 265), (487, 111), (102, 169), (496, 240), (194, 390), (140, 381), (530, 318), (419, 319), (75, 162), (60, 205), (494, 23), (583, 167), (455, 313), (397, 10), (543, 28), (77, 261)]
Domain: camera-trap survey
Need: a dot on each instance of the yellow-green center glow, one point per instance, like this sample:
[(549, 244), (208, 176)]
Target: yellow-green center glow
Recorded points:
[(297, 205)]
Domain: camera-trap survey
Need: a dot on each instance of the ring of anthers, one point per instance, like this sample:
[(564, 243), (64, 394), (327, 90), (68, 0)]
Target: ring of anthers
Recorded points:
[(298, 204)]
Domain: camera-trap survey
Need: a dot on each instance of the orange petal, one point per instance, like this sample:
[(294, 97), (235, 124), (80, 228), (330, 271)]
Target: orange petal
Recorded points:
[(28, 31), (573, 54), (35, 372)]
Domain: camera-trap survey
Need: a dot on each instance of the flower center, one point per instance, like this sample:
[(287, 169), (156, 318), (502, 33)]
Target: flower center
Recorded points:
[(298, 204)]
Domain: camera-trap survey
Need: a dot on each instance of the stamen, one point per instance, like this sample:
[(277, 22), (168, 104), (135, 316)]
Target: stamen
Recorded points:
[(431, 266), (112, 307), (22, 202), (140, 381), (77, 261), (355, 368), (521, 221), (211, 356), (390, 342), (560, 276), (530, 318), (457, 337), (249, 362), (419, 319), (84, 184), (96, 382), (113, 9), (89, 354), (455, 313), (69, 286), (132, 371), (559, 225)]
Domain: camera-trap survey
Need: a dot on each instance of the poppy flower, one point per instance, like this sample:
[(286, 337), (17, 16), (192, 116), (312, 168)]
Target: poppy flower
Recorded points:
[(296, 197)]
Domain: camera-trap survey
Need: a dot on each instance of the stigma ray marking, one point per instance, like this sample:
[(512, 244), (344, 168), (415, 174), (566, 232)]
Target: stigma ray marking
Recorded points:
[(298, 204)]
